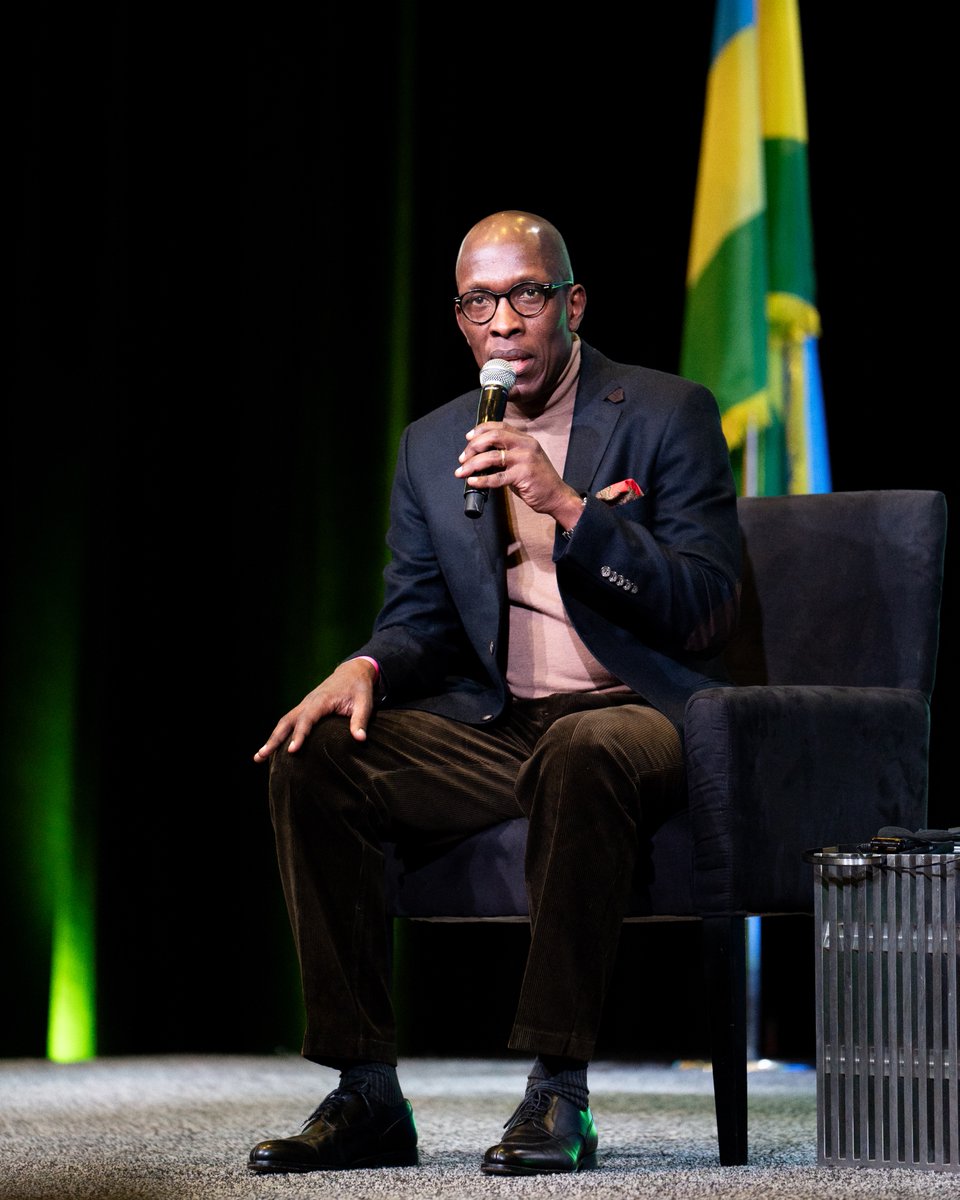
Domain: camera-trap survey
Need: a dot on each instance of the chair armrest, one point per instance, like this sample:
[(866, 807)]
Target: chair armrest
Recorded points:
[(773, 771)]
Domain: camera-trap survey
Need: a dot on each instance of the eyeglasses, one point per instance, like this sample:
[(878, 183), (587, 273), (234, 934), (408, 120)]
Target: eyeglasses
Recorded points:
[(527, 299)]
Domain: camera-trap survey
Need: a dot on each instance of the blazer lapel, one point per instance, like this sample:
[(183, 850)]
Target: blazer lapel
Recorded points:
[(490, 530), (595, 416)]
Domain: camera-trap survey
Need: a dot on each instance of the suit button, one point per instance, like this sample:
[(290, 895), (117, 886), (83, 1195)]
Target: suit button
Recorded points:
[(605, 572), (491, 647)]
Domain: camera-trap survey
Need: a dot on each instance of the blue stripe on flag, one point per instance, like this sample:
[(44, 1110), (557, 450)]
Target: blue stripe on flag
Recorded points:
[(732, 16), (817, 448)]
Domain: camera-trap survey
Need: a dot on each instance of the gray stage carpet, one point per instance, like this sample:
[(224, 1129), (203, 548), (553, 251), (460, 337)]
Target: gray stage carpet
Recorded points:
[(180, 1128)]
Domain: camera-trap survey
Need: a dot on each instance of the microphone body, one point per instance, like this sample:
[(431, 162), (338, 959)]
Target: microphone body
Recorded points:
[(497, 377)]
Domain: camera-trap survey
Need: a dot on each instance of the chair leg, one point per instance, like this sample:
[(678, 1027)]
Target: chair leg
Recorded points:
[(725, 967)]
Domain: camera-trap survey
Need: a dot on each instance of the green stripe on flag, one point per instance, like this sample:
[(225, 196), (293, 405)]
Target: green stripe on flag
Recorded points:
[(725, 331), (789, 236)]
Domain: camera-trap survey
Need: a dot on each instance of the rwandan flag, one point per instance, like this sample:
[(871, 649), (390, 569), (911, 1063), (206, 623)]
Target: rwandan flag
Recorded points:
[(750, 325)]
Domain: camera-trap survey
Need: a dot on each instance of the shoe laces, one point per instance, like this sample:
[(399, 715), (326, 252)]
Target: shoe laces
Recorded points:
[(533, 1106), (331, 1104)]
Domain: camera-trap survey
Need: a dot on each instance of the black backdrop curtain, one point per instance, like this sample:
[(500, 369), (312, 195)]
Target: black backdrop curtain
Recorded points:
[(233, 241)]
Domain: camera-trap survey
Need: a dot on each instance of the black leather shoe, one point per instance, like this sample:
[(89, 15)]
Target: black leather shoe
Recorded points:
[(546, 1135), (346, 1130)]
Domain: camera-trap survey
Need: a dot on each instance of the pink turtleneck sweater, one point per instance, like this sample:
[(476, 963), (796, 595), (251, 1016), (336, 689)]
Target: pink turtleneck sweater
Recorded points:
[(545, 655)]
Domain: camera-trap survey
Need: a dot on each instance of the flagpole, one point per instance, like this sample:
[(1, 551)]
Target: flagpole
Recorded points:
[(750, 284), (749, 487)]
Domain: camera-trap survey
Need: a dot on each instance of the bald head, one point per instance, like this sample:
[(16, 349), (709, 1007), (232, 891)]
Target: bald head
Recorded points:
[(515, 230), (499, 253)]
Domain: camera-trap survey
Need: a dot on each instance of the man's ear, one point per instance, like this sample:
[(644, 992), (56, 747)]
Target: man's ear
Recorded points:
[(576, 305)]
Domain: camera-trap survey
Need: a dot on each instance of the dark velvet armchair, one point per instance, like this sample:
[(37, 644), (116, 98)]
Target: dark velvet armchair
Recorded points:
[(825, 740)]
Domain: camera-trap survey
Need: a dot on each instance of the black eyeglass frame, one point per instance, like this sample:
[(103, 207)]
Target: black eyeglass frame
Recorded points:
[(547, 288)]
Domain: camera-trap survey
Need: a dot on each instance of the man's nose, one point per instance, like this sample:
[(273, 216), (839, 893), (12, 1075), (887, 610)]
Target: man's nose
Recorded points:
[(505, 319)]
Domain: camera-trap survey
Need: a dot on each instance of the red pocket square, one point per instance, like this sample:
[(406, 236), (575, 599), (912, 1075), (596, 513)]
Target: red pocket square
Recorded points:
[(621, 493)]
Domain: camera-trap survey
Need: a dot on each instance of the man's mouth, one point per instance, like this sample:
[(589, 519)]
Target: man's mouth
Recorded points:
[(516, 359)]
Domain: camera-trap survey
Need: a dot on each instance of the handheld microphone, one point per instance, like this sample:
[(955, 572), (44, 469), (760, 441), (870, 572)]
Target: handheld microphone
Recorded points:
[(497, 377)]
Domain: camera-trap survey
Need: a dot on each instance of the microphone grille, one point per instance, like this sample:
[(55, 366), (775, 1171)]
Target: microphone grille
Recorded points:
[(497, 370)]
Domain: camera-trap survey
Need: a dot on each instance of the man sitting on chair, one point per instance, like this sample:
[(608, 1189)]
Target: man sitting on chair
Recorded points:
[(532, 661)]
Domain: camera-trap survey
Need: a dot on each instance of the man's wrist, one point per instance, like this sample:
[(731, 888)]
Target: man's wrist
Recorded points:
[(567, 529), (373, 662), (379, 691)]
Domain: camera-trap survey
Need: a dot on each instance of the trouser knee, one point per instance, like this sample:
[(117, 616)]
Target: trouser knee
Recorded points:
[(629, 754), (314, 775)]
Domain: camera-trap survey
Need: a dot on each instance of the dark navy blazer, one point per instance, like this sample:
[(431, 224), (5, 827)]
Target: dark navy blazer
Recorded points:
[(651, 586)]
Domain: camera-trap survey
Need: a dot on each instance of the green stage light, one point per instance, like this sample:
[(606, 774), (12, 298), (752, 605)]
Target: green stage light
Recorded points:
[(71, 1028)]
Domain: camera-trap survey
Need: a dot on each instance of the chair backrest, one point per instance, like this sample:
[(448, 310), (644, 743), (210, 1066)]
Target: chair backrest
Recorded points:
[(841, 588)]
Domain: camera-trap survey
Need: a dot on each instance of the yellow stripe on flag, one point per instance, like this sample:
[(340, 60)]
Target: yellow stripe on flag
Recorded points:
[(784, 104), (730, 170)]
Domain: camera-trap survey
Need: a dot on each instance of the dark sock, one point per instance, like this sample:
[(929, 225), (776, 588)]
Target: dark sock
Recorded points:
[(565, 1076), (377, 1079)]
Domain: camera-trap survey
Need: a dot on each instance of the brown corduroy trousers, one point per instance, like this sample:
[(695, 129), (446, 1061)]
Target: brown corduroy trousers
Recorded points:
[(588, 770)]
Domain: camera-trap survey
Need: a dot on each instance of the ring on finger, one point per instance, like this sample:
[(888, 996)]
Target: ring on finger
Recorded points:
[(503, 458)]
